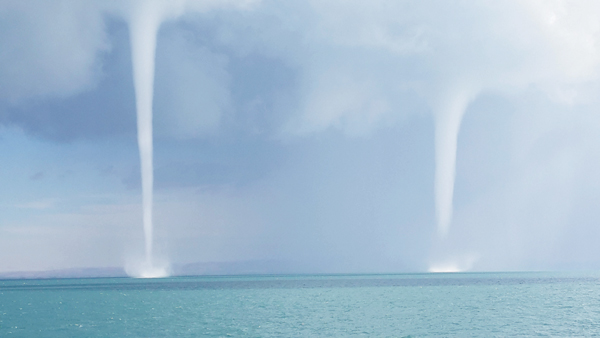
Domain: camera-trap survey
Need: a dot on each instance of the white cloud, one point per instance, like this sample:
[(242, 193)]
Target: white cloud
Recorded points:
[(360, 67)]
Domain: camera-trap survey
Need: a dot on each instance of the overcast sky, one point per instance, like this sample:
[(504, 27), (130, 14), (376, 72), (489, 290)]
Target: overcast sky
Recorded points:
[(304, 132)]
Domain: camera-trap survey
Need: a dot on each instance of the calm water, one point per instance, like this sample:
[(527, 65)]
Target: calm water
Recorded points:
[(415, 305)]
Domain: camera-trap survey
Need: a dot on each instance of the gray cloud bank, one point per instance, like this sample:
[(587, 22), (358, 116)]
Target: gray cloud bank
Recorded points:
[(307, 130)]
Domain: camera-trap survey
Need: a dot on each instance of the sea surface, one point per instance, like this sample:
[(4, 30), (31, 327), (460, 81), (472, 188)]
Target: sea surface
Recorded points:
[(404, 305)]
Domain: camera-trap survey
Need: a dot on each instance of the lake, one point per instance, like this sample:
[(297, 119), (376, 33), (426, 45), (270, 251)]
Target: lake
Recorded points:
[(402, 305)]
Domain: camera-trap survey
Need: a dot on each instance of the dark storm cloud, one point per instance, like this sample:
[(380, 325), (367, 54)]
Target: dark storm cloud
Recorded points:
[(106, 110)]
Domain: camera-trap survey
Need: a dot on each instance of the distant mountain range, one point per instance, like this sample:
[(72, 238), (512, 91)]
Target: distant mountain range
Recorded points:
[(65, 273), (257, 267)]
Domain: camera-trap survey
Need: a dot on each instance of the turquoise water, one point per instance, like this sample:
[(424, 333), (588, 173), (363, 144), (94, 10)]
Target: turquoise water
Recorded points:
[(415, 305)]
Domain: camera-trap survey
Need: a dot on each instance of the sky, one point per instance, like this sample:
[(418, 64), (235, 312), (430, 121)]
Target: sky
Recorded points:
[(329, 136)]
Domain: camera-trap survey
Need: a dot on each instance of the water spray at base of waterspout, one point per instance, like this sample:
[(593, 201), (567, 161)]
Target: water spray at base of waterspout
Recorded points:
[(152, 271), (139, 268), (460, 263), (448, 114)]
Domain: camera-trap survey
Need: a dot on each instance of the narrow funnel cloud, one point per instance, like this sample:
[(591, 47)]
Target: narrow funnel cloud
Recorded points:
[(144, 24), (145, 18), (448, 115)]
